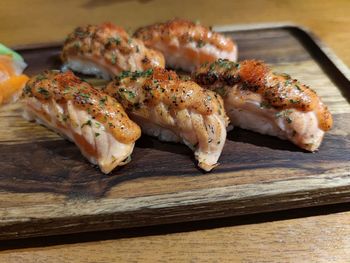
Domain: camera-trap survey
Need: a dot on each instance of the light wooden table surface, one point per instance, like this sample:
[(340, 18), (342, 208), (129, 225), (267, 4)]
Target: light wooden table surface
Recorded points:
[(309, 235)]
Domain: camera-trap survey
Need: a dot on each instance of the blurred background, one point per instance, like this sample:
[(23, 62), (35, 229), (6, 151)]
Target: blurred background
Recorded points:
[(40, 21)]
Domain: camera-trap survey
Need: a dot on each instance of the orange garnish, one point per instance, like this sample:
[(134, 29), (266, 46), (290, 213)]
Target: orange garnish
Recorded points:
[(11, 86)]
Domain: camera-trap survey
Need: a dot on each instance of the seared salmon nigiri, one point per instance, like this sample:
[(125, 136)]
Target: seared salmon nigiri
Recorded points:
[(257, 99), (187, 45), (12, 81), (95, 122), (174, 110), (106, 50)]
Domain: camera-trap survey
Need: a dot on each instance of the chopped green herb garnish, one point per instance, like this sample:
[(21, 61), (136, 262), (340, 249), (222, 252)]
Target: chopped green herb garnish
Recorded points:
[(84, 95), (265, 104), (185, 77), (124, 74), (200, 43), (41, 77), (103, 101), (137, 74), (66, 90), (44, 92), (204, 64), (284, 114), (294, 101), (225, 63), (129, 93), (147, 73), (221, 91), (27, 90), (86, 123), (77, 45), (97, 134), (113, 59), (115, 40), (212, 67), (65, 117), (79, 32), (279, 114), (288, 82), (284, 75), (297, 86)]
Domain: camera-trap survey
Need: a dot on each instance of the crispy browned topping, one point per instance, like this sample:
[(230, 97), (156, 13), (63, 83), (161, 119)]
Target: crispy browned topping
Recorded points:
[(64, 87), (186, 31), (137, 89), (279, 91), (113, 44)]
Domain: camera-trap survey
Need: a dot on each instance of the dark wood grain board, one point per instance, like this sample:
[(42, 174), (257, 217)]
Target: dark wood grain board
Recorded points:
[(47, 187)]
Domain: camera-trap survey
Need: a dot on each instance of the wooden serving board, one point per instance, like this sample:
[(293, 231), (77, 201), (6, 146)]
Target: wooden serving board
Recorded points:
[(47, 187)]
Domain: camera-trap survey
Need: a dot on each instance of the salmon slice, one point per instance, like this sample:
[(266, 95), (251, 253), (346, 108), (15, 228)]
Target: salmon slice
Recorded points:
[(187, 45), (175, 110), (94, 121), (258, 99), (106, 50)]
